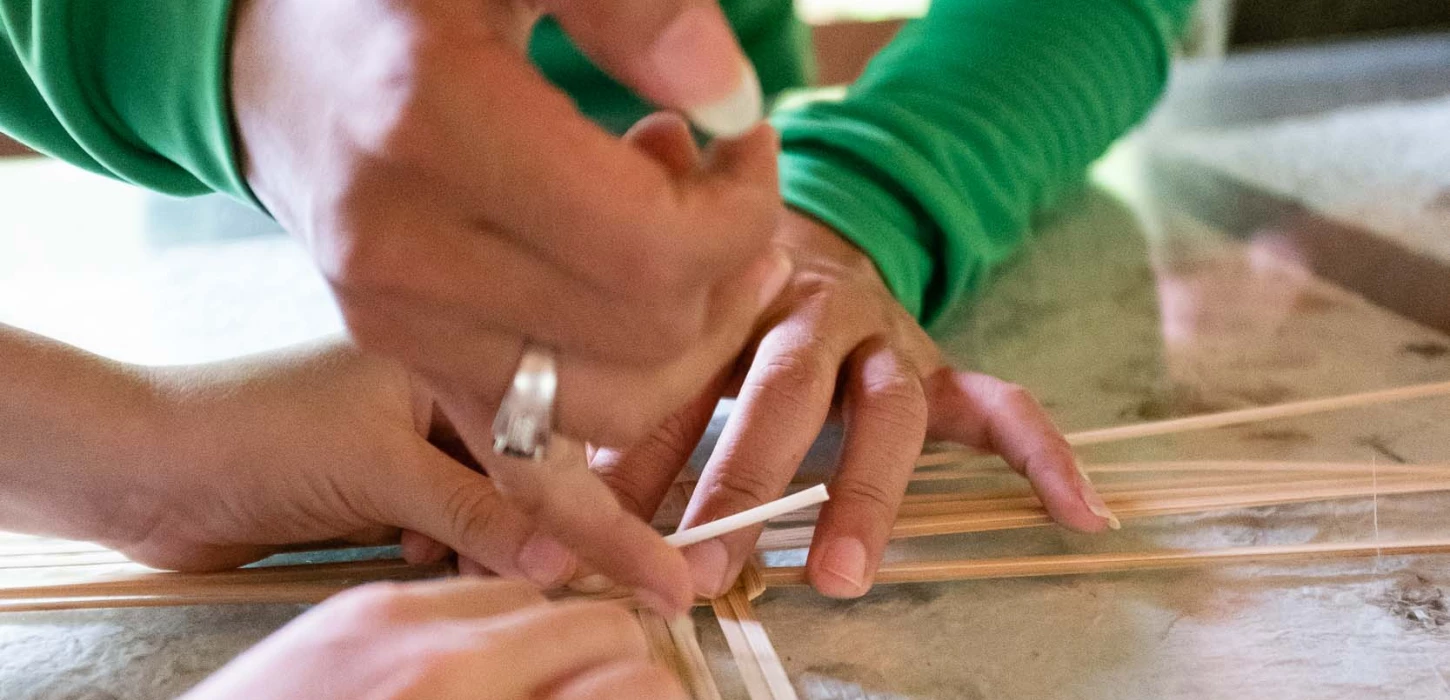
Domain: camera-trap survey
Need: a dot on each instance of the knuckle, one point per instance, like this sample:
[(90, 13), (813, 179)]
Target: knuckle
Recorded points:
[(790, 378), (744, 485), (471, 512), (866, 492)]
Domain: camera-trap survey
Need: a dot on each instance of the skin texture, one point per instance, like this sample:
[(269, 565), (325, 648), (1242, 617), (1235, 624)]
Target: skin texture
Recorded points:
[(459, 206), (462, 638)]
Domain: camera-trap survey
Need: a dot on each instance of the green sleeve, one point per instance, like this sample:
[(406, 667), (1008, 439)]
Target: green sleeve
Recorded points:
[(134, 89), (976, 116)]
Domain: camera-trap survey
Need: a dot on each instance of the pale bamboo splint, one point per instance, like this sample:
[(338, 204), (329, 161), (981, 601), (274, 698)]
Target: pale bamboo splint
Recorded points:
[(986, 469), (1077, 564), (1223, 420), (760, 668)]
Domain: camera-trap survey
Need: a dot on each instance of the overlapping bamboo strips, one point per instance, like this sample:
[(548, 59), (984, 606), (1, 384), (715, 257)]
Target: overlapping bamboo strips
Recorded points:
[(1078, 564), (988, 469), (760, 668), (675, 644), (1126, 506)]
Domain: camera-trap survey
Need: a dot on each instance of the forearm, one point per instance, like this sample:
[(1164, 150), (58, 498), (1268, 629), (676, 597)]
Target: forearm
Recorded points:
[(77, 435), (971, 120)]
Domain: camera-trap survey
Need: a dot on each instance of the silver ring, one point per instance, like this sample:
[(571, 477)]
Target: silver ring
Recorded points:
[(525, 419)]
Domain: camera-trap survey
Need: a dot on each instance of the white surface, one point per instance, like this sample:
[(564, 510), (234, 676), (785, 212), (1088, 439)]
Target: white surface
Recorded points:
[(1384, 168)]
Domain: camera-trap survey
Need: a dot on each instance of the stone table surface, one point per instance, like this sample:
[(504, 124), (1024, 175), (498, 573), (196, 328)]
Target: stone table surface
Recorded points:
[(1122, 309)]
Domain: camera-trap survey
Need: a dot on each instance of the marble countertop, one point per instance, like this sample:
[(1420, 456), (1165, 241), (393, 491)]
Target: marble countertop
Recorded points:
[(1123, 309)]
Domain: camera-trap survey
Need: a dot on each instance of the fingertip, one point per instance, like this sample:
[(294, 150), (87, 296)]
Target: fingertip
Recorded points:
[(841, 568)]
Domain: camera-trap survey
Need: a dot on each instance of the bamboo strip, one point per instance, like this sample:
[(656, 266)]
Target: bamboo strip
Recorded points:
[(972, 471), (960, 523), (159, 583), (1078, 564), (299, 593), (760, 668), (675, 644), (1222, 420)]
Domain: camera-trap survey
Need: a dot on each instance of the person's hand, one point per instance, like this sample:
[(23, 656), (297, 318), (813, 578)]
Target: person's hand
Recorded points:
[(447, 640), (460, 206), (836, 332), (304, 445)]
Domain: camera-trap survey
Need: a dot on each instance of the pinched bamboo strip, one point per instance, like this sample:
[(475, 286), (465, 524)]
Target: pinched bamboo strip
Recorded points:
[(1079, 564), (1013, 518), (1224, 419)]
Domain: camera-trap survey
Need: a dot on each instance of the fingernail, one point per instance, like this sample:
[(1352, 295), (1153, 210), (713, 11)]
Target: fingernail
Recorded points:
[(544, 561), (735, 114), (845, 559), (1094, 501), (710, 565), (593, 583), (775, 280), (700, 66)]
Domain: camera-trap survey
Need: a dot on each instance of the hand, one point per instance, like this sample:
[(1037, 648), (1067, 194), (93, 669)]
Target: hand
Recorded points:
[(304, 445), (446, 640), (459, 205), (837, 331)]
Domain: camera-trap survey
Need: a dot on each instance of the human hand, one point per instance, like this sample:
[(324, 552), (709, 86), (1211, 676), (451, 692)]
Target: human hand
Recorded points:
[(837, 332), (440, 640), (459, 205), (304, 445)]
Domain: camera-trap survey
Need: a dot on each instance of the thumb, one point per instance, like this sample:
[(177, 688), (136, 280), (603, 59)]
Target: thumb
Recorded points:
[(679, 54), (442, 501)]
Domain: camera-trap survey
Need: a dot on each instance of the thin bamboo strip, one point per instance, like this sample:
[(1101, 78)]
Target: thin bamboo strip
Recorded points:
[(1078, 564), (158, 583), (971, 504), (972, 471), (914, 504), (760, 668), (1223, 420), (299, 593), (675, 644), (961, 523)]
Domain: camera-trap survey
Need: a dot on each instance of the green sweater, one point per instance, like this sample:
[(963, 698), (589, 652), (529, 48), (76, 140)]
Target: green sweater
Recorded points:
[(973, 118)]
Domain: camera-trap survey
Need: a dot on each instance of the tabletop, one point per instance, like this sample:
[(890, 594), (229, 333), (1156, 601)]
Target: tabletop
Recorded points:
[(1186, 277)]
